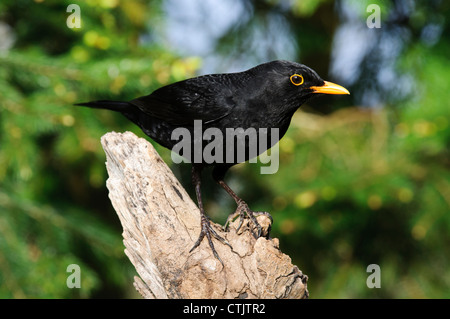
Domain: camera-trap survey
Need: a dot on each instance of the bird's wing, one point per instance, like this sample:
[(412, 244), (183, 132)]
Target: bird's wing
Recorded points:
[(207, 98)]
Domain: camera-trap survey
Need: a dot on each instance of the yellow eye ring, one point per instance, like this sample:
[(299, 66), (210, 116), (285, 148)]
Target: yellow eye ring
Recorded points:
[(297, 79)]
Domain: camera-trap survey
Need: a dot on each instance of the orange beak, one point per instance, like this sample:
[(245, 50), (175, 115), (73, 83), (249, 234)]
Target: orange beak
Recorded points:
[(330, 88)]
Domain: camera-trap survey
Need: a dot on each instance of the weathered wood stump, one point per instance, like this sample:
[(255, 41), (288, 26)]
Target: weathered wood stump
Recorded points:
[(161, 223)]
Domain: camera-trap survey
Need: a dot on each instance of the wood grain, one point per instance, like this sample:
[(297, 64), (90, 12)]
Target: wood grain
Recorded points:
[(161, 223)]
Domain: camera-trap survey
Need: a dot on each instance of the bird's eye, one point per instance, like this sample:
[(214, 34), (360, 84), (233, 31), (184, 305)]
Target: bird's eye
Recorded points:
[(297, 79)]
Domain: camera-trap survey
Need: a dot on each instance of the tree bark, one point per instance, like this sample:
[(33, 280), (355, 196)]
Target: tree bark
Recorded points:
[(161, 223)]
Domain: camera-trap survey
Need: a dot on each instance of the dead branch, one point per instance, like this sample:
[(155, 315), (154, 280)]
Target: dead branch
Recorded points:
[(160, 224)]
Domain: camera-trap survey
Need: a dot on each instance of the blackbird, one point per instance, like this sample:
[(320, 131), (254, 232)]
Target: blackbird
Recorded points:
[(263, 97)]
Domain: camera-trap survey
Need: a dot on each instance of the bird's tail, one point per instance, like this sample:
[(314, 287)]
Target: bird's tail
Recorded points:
[(117, 106)]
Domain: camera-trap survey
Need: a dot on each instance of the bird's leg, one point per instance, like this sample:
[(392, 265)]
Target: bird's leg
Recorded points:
[(242, 209), (206, 229)]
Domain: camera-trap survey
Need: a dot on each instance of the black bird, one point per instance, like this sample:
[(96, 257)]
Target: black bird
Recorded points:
[(263, 97)]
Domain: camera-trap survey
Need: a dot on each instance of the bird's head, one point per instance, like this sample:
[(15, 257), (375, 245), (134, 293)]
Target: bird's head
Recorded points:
[(294, 83)]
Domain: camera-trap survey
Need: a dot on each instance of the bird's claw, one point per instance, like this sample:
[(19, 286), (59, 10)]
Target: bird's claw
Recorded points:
[(243, 211), (207, 230)]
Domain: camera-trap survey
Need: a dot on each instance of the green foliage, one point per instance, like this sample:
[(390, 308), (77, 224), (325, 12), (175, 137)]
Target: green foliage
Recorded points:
[(54, 206), (370, 186)]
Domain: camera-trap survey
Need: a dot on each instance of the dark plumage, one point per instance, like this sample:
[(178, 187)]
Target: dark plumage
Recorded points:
[(265, 96)]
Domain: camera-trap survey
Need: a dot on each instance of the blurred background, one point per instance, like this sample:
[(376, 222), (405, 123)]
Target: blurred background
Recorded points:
[(363, 179)]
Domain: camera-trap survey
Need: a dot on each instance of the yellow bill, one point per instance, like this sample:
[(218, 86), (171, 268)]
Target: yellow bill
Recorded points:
[(330, 88)]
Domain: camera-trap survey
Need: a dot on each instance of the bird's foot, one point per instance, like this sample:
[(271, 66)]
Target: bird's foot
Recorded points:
[(243, 211), (207, 230)]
